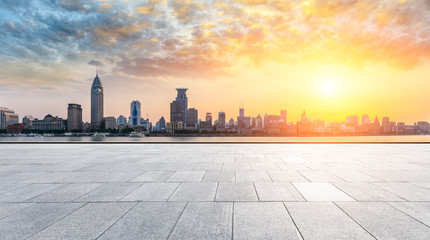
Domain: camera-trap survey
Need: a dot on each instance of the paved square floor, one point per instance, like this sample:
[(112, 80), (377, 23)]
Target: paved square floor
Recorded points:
[(215, 191)]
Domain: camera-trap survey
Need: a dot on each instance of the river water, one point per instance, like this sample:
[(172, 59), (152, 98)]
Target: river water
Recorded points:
[(409, 138)]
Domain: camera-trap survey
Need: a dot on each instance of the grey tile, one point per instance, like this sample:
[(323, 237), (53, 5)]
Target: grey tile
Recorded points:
[(277, 192), (320, 176), (364, 191), (286, 176), (7, 209), (208, 167), (148, 220), (263, 220), (195, 192), (324, 220), (33, 219), (405, 190), (30, 191), (417, 210), (353, 176), (384, 221), (252, 176), (220, 176), (236, 192), (114, 176), (321, 192), (205, 220), (187, 176), (88, 222), (66, 193), (153, 176), (108, 192), (236, 166), (152, 192)]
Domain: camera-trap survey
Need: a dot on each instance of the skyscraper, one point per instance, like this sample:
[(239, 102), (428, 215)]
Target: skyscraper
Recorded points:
[(209, 117), (385, 125), (191, 116), (176, 114), (221, 119), (135, 114), (182, 98), (7, 117), (96, 103), (121, 120), (74, 117), (365, 119)]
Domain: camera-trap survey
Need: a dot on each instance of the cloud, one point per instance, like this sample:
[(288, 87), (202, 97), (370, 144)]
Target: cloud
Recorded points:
[(95, 63), (205, 39)]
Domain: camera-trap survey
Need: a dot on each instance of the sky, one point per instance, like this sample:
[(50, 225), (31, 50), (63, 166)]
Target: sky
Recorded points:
[(332, 58)]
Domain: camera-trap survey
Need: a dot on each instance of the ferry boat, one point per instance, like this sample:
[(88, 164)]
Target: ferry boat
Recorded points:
[(99, 135), (136, 134)]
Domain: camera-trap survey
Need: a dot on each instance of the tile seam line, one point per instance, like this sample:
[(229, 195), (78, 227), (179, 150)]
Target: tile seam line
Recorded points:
[(83, 205), (177, 220), (292, 219), (406, 213), (117, 220), (354, 220)]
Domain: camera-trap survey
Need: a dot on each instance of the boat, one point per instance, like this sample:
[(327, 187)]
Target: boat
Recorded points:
[(99, 135), (135, 134), (48, 135)]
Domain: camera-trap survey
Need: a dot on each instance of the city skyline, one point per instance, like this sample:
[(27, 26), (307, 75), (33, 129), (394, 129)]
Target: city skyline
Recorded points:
[(332, 59)]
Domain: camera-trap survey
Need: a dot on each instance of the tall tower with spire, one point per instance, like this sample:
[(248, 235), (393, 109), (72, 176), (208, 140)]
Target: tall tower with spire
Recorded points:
[(96, 103)]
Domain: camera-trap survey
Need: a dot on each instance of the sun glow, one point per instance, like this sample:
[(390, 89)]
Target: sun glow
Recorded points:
[(328, 86)]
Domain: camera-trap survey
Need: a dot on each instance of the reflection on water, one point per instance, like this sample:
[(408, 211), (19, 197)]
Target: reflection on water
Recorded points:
[(412, 138)]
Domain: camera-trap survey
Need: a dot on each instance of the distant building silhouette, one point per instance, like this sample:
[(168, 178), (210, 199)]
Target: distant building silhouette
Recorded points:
[(191, 119), (135, 113), (121, 120), (96, 103), (74, 117)]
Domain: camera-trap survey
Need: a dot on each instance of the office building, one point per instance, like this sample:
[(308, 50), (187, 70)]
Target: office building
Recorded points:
[(161, 124), (209, 117), (28, 121), (242, 121), (135, 114), (96, 103), (352, 121), (121, 120), (50, 123), (176, 114), (385, 128), (74, 117), (7, 117), (191, 119), (221, 119), (110, 123), (365, 120)]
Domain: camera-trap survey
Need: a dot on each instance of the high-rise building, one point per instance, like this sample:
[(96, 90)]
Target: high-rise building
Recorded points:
[(385, 125), (176, 114), (96, 103), (365, 119), (376, 128), (121, 120), (258, 122), (28, 121), (209, 117), (242, 121), (221, 119), (7, 117), (109, 123), (352, 121), (135, 114), (161, 124), (182, 98), (74, 117), (191, 118), (284, 115), (231, 123)]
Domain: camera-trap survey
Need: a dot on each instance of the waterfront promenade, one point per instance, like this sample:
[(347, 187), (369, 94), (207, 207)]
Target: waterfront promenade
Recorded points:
[(215, 191)]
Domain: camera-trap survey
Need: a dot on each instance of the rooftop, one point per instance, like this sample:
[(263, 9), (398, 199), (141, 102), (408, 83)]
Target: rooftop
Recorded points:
[(221, 191)]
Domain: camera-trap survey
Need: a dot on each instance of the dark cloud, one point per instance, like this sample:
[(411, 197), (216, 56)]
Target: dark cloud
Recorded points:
[(95, 63)]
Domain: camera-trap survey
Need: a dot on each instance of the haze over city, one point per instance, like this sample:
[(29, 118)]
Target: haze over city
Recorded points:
[(332, 59)]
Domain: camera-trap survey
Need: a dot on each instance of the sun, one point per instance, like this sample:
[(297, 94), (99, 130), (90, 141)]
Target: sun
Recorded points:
[(328, 86)]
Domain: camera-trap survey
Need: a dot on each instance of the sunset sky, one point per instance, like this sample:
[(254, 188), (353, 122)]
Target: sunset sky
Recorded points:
[(332, 58)]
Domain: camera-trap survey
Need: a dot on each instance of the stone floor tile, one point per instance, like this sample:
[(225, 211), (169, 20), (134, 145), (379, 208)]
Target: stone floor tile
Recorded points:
[(220, 176), (236, 192), (152, 192), (187, 176), (278, 192), (108, 192), (200, 191), (321, 192)]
